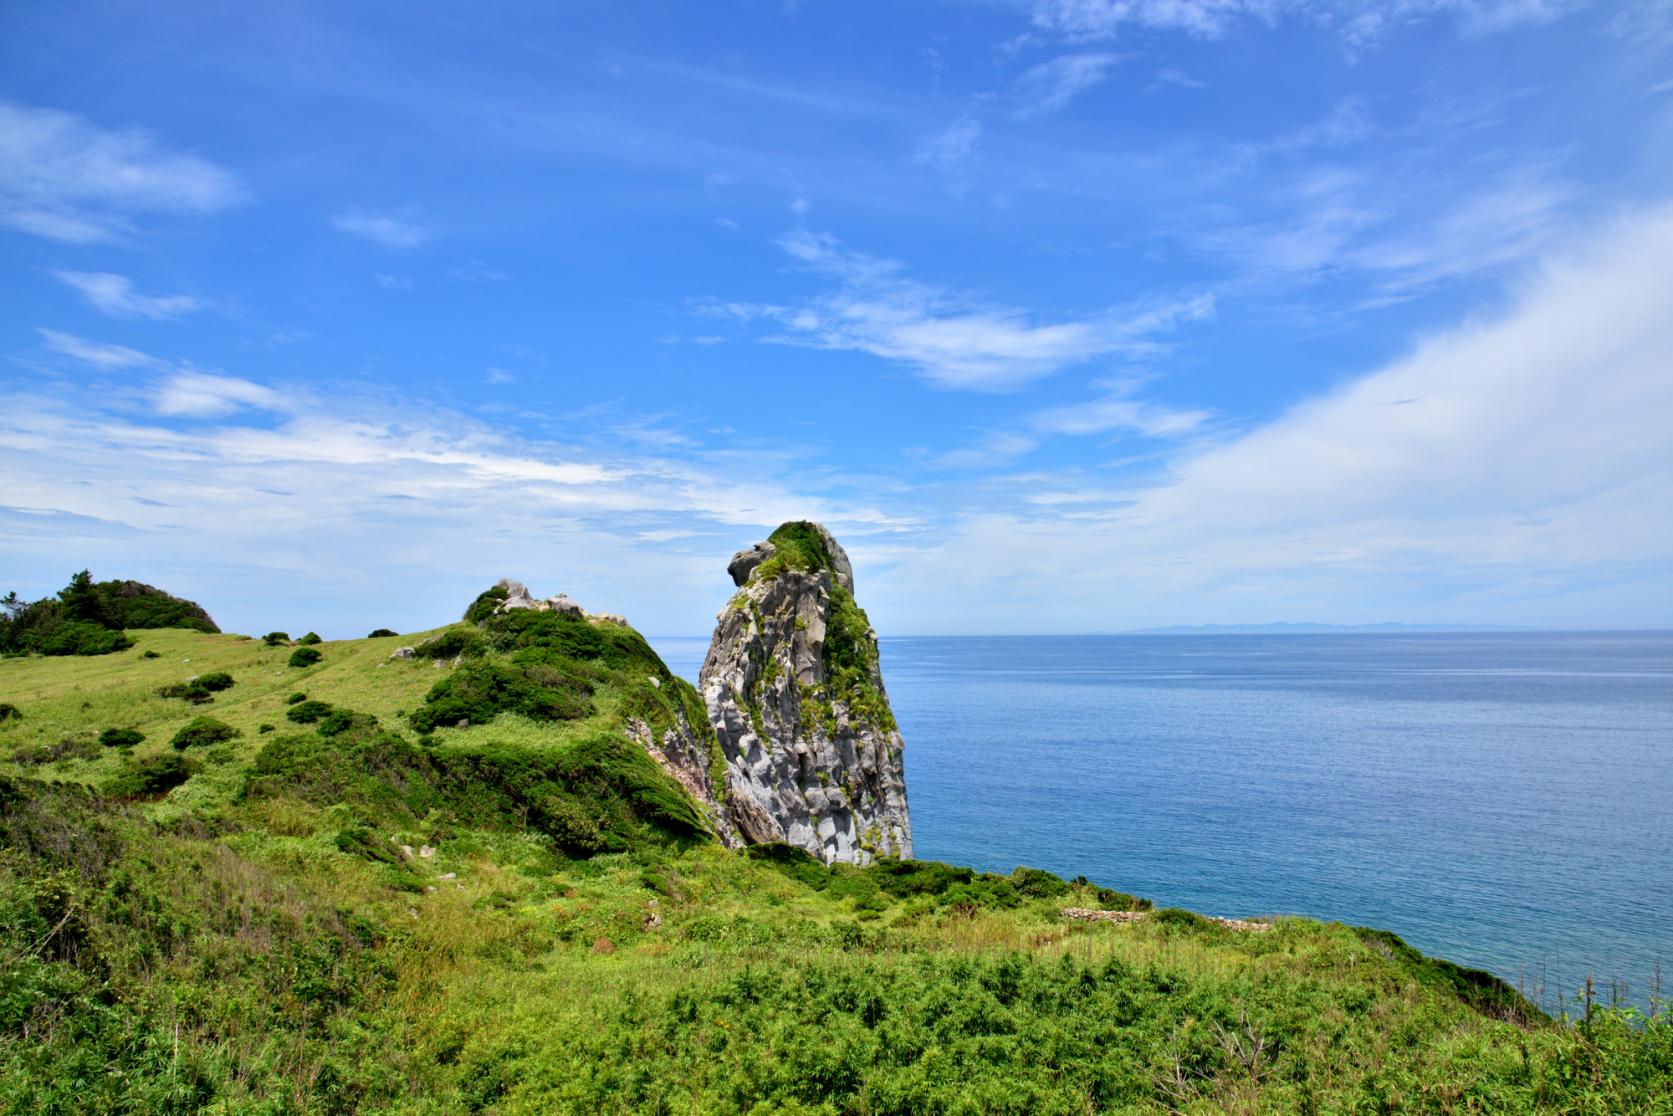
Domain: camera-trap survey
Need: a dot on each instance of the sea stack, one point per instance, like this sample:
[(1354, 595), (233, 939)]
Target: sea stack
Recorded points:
[(793, 690)]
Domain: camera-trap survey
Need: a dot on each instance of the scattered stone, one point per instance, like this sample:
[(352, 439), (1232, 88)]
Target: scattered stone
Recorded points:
[(403, 653), (448, 876), (406, 851), (426, 851), (1087, 915)]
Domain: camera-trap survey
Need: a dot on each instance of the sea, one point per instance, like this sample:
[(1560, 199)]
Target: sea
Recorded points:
[(1503, 800)]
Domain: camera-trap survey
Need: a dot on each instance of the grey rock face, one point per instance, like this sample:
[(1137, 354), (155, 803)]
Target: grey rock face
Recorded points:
[(743, 563), (793, 690)]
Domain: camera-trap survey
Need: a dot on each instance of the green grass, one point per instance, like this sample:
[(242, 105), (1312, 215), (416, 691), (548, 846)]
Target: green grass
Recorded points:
[(269, 937)]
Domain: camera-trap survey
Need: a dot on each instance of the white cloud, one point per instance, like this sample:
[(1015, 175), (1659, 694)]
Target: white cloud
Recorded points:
[(115, 295), (203, 395), (66, 179), (1118, 410), (1361, 23), (1473, 478), (96, 353), (388, 229), (475, 271), (1050, 86), (951, 339), (950, 149)]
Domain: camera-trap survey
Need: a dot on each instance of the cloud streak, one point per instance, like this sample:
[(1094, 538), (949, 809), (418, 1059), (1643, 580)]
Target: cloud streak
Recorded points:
[(66, 179), (115, 295), (951, 339)]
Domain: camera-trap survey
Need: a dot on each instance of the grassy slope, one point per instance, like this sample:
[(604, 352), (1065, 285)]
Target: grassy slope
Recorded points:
[(225, 950)]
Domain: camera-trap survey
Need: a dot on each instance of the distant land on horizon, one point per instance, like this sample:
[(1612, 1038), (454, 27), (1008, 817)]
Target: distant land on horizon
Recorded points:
[(1287, 627)]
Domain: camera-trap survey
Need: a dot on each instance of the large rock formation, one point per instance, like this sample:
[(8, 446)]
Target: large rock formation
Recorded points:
[(793, 691)]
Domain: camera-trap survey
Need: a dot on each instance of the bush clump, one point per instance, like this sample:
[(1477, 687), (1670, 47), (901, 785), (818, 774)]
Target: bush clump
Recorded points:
[(454, 643), (120, 737), (276, 639), (67, 748), (485, 604), (150, 776), (9, 712), (200, 732), (382, 633), (296, 697), (479, 691), (307, 712), (78, 637), (305, 656), (309, 640), (88, 618), (152, 655)]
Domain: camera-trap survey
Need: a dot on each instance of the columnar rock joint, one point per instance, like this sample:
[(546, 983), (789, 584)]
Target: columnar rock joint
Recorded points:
[(794, 694)]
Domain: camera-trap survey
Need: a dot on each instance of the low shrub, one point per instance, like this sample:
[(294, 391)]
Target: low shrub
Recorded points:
[(152, 655), (67, 748), (479, 691), (307, 712), (200, 732), (309, 640), (305, 656), (382, 633), (9, 712), (454, 643), (264, 728), (189, 690), (150, 776), (339, 721), (485, 604), (276, 639), (120, 737), (296, 697), (80, 637)]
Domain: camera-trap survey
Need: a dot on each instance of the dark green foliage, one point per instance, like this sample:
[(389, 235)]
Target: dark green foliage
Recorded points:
[(151, 655), (120, 737), (383, 633), (276, 639), (307, 712), (800, 546), (1110, 899), (264, 728), (485, 604), (152, 775), (339, 721), (851, 661), (79, 637), (452, 644), (9, 712), (87, 617), (200, 732), (479, 691), (309, 640), (296, 697), (572, 637), (305, 656), (200, 689)]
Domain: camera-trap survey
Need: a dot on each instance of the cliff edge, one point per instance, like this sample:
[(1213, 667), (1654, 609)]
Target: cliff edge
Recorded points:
[(794, 694)]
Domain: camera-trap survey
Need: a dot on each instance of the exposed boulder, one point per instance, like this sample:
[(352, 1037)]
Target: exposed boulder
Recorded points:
[(793, 691)]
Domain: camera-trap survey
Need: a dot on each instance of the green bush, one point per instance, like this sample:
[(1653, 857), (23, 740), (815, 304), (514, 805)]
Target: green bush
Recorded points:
[(67, 748), (479, 691), (309, 640), (150, 775), (305, 656), (186, 691), (79, 637), (485, 604), (276, 639), (120, 737), (382, 633), (200, 732), (307, 712), (453, 643), (296, 697), (264, 728), (9, 712), (152, 655)]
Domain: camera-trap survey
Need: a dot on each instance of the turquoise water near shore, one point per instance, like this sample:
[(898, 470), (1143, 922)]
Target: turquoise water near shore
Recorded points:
[(1504, 800)]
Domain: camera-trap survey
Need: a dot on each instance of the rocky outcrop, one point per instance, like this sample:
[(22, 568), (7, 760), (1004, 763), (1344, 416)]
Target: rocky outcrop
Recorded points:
[(795, 697), (517, 596)]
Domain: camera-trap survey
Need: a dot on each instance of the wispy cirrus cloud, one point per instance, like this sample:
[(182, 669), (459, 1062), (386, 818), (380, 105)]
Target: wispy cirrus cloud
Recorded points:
[(193, 394), (99, 354), (115, 295), (1361, 23), (950, 149), (66, 179), (1050, 86), (952, 339), (392, 230)]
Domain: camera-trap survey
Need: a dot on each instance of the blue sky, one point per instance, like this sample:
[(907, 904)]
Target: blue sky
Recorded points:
[(1066, 315)]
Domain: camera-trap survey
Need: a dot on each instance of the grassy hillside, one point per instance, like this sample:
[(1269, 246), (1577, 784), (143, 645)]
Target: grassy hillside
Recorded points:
[(524, 914)]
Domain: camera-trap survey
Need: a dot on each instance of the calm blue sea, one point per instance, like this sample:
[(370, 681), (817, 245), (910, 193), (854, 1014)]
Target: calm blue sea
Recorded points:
[(1503, 800)]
